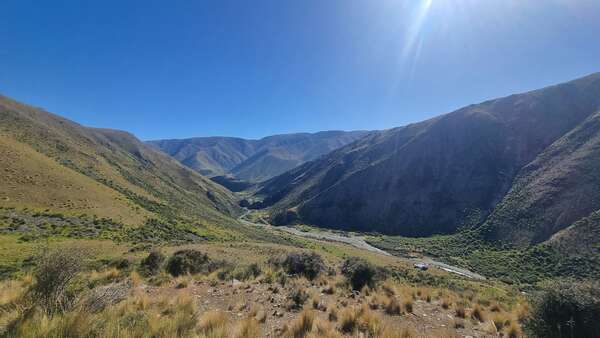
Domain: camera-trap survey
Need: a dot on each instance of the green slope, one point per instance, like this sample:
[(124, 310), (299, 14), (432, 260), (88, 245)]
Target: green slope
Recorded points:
[(53, 163)]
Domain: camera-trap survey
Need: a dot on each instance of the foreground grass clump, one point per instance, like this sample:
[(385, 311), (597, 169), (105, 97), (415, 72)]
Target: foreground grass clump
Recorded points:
[(54, 276), (567, 309)]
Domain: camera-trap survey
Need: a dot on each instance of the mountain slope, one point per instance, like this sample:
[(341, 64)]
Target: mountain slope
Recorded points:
[(560, 187), (434, 176), (253, 160), (53, 163)]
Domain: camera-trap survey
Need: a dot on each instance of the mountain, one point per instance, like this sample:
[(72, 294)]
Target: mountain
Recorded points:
[(510, 157), (557, 189), (55, 165), (254, 160)]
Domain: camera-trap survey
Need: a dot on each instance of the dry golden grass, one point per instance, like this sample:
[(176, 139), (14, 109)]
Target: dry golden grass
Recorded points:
[(477, 313), (247, 328), (392, 306), (408, 306), (323, 329), (301, 326), (213, 323)]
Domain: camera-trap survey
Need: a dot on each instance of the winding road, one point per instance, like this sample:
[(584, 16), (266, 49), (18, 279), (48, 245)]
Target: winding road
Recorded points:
[(359, 242)]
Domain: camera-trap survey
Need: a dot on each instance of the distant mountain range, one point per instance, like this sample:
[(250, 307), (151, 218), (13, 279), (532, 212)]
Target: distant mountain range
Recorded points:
[(254, 160), (51, 164), (524, 169)]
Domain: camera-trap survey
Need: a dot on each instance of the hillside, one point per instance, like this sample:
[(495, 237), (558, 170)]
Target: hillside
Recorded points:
[(440, 174), (559, 188), (54, 165), (253, 160)]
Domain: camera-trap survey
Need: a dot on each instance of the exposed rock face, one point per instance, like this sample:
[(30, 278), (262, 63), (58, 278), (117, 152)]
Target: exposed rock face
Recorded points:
[(434, 176), (254, 160)]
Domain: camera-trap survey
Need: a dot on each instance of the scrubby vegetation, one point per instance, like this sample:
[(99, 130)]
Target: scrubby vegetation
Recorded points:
[(309, 265), (107, 297), (359, 272), (152, 263), (188, 262), (512, 265), (566, 309)]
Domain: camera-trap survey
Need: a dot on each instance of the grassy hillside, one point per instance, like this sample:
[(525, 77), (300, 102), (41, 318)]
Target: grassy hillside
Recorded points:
[(55, 165)]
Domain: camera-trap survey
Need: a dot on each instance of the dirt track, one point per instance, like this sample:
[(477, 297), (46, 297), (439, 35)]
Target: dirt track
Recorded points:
[(359, 242)]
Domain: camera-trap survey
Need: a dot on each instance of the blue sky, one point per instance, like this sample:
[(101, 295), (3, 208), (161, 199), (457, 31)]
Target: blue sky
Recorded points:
[(174, 69)]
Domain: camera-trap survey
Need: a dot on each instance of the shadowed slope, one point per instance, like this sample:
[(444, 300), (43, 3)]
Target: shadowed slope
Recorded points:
[(433, 176)]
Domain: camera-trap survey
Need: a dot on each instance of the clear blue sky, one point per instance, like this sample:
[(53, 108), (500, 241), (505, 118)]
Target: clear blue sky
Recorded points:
[(174, 69)]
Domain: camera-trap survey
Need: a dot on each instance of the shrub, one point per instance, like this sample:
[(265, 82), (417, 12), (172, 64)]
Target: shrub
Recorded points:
[(309, 265), (297, 298), (358, 272), (247, 272), (567, 309), (152, 263), (187, 261), (54, 276)]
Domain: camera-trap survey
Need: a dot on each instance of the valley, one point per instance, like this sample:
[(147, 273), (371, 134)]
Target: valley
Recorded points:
[(453, 227)]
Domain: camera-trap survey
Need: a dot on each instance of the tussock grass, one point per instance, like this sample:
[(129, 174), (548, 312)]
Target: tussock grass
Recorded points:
[(301, 326), (392, 306)]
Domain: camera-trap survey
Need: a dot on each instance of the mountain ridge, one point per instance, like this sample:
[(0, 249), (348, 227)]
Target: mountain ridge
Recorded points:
[(104, 172), (434, 176), (253, 160)]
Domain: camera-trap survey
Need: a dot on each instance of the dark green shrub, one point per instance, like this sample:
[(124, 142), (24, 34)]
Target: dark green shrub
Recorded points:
[(566, 309), (240, 273), (359, 272), (309, 265), (152, 264), (188, 261), (247, 272), (121, 263)]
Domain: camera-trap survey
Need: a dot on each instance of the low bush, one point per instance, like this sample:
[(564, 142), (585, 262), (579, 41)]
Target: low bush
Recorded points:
[(188, 261), (306, 264), (152, 264), (359, 272), (54, 278), (297, 298), (566, 309)]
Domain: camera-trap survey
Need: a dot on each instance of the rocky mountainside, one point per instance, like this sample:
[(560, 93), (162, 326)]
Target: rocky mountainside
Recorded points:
[(254, 160), (55, 165), (525, 159)]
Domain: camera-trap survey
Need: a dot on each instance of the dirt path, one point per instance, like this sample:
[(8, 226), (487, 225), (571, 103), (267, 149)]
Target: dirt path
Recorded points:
[(359, 242)]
